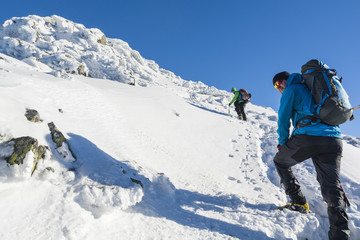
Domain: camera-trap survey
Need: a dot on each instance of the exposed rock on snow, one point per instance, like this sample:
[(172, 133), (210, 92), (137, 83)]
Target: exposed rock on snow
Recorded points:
[(32, 115), (62, 146), (82, 70), (22, 146), (20, 151), (102, 40)]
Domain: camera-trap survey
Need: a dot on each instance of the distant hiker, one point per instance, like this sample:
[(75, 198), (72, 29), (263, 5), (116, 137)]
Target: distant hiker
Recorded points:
[(241, 97), (315, 140)]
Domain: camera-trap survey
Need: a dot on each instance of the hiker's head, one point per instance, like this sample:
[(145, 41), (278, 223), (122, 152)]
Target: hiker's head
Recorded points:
[(233, 90), (279, 81)]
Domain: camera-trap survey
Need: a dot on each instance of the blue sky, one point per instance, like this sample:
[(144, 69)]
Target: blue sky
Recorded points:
[(228, 43)]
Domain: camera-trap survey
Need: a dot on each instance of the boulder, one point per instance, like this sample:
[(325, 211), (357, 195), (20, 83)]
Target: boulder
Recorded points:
[(32, 115), (21, 147)]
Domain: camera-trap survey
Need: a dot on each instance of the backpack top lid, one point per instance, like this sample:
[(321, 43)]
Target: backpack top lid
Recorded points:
[(243, 90), (311, 66), (244, 94)]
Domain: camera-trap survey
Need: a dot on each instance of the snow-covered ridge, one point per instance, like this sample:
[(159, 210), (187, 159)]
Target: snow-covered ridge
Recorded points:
[(62, 47), (204, 174)]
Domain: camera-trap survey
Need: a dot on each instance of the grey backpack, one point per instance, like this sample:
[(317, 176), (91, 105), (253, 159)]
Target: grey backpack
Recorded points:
[(332, 102)]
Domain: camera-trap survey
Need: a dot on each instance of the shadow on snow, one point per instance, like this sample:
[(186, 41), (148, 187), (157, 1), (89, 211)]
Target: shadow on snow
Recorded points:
[(210, 110), (161, 199)]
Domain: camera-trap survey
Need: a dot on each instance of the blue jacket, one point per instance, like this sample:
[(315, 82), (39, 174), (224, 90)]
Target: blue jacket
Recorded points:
[(296, 102)]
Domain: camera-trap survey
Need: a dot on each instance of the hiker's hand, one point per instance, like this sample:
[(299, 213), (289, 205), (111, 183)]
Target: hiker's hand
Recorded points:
[(279, 147)]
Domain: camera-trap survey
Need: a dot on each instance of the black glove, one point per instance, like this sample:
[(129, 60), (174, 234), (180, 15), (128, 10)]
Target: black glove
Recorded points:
[(279, 147)]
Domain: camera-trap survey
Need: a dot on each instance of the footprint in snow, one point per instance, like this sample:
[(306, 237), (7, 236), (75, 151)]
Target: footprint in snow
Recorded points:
[(234, 179), (272, 118), (176, 113)]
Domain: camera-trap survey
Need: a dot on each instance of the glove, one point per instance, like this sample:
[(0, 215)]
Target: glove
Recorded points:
[(279, 146), (229, 104)]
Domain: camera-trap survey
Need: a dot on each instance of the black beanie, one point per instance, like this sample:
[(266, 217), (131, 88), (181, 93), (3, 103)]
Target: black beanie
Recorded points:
[(281, 76)]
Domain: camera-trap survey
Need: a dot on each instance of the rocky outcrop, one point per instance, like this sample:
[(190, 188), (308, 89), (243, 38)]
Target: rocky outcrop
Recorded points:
[(21, 147)]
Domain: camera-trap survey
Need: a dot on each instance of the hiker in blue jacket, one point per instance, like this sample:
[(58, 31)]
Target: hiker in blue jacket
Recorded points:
[(310, 139)]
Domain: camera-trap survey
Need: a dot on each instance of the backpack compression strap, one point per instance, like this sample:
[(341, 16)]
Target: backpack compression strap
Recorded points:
[(306, 121)]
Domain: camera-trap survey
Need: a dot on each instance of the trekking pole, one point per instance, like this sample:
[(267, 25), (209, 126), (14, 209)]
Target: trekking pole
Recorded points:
[(355, 108)]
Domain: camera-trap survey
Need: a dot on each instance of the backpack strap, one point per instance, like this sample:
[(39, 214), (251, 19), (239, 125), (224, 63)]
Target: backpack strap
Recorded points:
[(306, 121)]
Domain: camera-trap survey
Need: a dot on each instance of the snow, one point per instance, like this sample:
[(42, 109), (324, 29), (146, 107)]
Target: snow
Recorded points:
[(159, 160)]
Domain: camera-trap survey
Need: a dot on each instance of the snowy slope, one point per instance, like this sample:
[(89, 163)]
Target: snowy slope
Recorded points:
[(205, 174)]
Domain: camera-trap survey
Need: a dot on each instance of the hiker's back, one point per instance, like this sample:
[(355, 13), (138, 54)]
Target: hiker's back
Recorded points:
[(298, 97)]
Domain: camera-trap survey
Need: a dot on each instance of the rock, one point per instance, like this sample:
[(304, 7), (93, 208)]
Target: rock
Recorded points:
[(38, 154), (32, 115), (82, 70), (62, 146), (50, 169), (21, 147), (56, 135), (102, 40)]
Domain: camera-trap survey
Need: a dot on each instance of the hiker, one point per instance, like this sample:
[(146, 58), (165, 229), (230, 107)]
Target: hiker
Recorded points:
[(316, 140), (240, 99)]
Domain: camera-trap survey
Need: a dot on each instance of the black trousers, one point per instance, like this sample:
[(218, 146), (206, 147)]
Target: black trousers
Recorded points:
[(240, 109), (326, 156)]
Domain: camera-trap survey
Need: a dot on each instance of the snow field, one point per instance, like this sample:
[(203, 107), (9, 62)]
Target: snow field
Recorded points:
[(203, 174)]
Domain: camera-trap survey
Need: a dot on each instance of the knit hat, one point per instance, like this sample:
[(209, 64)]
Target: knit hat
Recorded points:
[(281, 76)]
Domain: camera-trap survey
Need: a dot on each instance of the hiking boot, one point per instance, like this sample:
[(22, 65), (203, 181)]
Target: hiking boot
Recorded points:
[(302, 208)]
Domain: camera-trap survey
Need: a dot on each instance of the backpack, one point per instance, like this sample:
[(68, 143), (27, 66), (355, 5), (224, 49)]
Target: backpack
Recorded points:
[(245, 96), (332, 102)]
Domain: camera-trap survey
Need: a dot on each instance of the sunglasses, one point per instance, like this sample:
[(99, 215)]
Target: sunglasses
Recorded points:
[(277, 84)]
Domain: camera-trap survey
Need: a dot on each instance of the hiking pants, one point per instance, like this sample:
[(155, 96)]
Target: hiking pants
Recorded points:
[(326, 156), (240, 109)]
